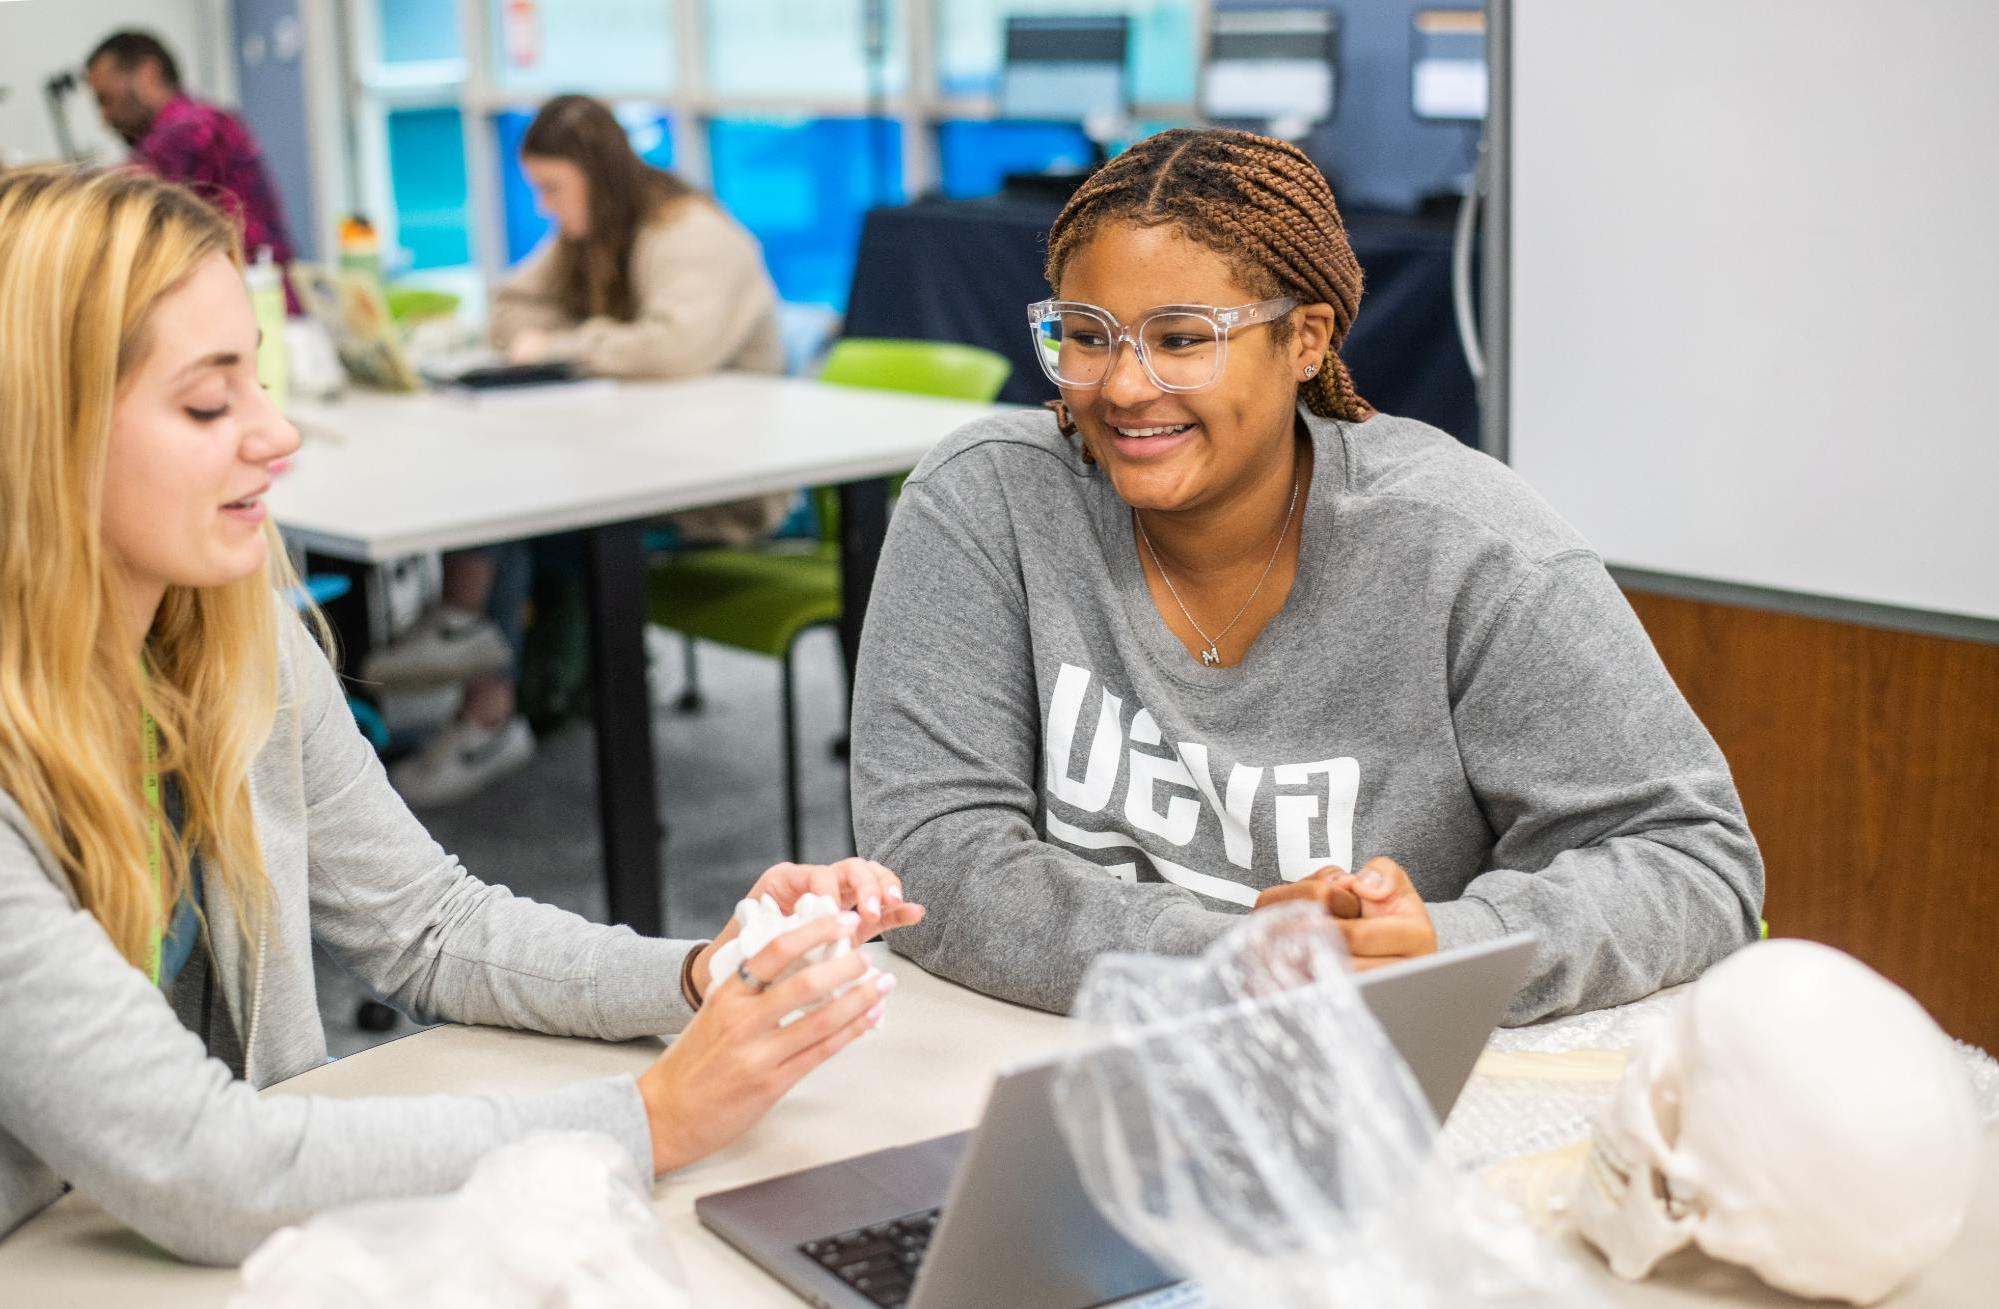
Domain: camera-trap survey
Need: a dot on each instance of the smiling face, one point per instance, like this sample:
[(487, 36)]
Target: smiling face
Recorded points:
[(1171, 451), (563, 191), (193, 437)]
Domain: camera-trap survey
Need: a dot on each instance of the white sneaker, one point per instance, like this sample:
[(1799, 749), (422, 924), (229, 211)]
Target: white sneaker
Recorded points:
[(446, 646), (416, 713), (462, 760)]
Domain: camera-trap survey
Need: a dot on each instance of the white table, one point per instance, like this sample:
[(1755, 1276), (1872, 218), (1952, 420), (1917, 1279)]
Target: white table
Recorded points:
[(381, 476), (925, 1073)]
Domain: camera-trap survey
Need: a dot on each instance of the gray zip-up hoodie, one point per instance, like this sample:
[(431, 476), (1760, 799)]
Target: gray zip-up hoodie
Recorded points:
[(1454, 681), (101, 1087)]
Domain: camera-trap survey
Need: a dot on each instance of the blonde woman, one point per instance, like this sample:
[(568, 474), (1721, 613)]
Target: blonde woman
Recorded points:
[(185, 805)]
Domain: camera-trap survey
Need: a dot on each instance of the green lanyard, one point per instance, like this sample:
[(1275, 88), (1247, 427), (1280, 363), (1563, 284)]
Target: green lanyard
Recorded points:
[(155, 859)]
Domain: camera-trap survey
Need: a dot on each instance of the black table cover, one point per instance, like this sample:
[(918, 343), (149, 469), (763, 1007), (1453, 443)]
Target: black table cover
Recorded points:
[(966, 270)]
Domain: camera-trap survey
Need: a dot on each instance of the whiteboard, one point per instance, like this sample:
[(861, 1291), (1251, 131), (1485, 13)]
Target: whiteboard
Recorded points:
[(1753, 289)]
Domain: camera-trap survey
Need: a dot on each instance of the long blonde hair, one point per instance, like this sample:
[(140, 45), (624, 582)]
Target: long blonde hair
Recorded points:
[(85, 257)]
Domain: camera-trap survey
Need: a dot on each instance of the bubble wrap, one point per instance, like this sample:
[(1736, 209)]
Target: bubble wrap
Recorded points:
[(1246, 1121), (1514, 1107), (556, 1220)]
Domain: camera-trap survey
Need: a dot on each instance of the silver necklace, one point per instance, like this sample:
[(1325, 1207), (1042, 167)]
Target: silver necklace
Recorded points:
[(1212, 657)]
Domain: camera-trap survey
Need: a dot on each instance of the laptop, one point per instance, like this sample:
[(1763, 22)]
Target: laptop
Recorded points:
[(351, 308), (998, 1215)]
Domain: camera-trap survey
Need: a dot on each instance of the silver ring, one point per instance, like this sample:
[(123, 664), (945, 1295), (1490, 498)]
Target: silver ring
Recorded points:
[(750, 979)]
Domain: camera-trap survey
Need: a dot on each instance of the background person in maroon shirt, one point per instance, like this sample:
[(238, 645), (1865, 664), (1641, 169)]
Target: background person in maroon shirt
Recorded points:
[(207, 148)]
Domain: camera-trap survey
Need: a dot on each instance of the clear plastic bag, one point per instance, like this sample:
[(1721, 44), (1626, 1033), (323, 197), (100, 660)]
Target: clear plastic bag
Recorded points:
[(1245, 1120), (559, 1220)]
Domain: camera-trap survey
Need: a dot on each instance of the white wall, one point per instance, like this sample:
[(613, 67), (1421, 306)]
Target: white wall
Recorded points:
[(39, 38), (1754, 289)]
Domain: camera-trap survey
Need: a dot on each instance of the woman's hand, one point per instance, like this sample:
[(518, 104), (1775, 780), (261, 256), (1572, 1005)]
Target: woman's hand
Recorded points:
[(734, 1061), (1378, 910), (529, 346), (861, 885)]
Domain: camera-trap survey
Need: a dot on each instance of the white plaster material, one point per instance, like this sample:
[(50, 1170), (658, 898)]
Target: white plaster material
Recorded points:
[(762, 922), (1796, 1113)]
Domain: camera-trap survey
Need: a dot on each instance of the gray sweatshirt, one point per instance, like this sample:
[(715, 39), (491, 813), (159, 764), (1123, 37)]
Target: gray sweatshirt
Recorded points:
[(102, 1087), (1454, 682)]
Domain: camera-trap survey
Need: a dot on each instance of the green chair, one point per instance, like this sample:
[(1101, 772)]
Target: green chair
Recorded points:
[(409, 305), (763, 598)]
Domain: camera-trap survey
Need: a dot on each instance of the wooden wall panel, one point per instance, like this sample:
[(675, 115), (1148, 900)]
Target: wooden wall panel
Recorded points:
[(1868, 762)]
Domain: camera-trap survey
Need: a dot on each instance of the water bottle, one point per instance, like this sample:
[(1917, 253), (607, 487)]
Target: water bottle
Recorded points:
[(267, 300)]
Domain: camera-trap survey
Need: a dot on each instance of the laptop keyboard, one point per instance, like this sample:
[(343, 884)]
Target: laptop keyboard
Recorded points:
[(879, 1261)]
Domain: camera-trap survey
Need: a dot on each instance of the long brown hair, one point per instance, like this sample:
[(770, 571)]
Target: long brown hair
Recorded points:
[(85, 259), (1257, 202), (625, 193)]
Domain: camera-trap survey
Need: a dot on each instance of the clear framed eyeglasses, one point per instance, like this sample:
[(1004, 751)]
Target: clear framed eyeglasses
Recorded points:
[(1181, 347)]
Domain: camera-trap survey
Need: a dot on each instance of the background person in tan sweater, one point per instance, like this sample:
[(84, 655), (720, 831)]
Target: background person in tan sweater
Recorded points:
[(644, 277)]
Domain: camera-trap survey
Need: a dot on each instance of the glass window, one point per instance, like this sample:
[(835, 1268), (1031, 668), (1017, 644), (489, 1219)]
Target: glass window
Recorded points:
[(583, 45), (417, 31), (1163, 57), (427, 186), (651, 135), (796, 48), (802, 186), (977, 155)]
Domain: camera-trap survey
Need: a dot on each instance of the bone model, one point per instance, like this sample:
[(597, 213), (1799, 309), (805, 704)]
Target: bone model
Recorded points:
[(762, 922), (1796, 1113)]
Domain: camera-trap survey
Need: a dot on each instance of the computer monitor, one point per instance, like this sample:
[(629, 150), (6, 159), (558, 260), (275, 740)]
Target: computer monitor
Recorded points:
[(1066, 69), (1447, 75), (1272, 66)]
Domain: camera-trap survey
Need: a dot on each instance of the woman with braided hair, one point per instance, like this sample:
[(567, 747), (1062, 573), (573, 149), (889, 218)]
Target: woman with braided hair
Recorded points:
[(1216, 635)]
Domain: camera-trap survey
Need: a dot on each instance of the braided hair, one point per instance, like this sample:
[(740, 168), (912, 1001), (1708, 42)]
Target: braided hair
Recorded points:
[(1257, 202)]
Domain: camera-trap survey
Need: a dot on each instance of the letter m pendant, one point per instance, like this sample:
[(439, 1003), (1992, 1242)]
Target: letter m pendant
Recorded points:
[(1211, 657)]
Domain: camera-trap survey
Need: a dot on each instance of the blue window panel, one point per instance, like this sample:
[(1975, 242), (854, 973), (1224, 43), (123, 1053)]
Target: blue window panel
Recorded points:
[(802, 188), (1164, 54), (977, 155), (418, 31), (1141, 128), (427, 185), (651, 135)]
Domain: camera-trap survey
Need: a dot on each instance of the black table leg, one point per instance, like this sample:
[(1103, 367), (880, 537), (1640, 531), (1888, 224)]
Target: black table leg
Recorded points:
[(627, 798), (353, 638), (347, 615), (863, 525)]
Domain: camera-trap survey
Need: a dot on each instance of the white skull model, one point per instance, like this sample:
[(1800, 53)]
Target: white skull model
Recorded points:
[(1796, 1113)]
